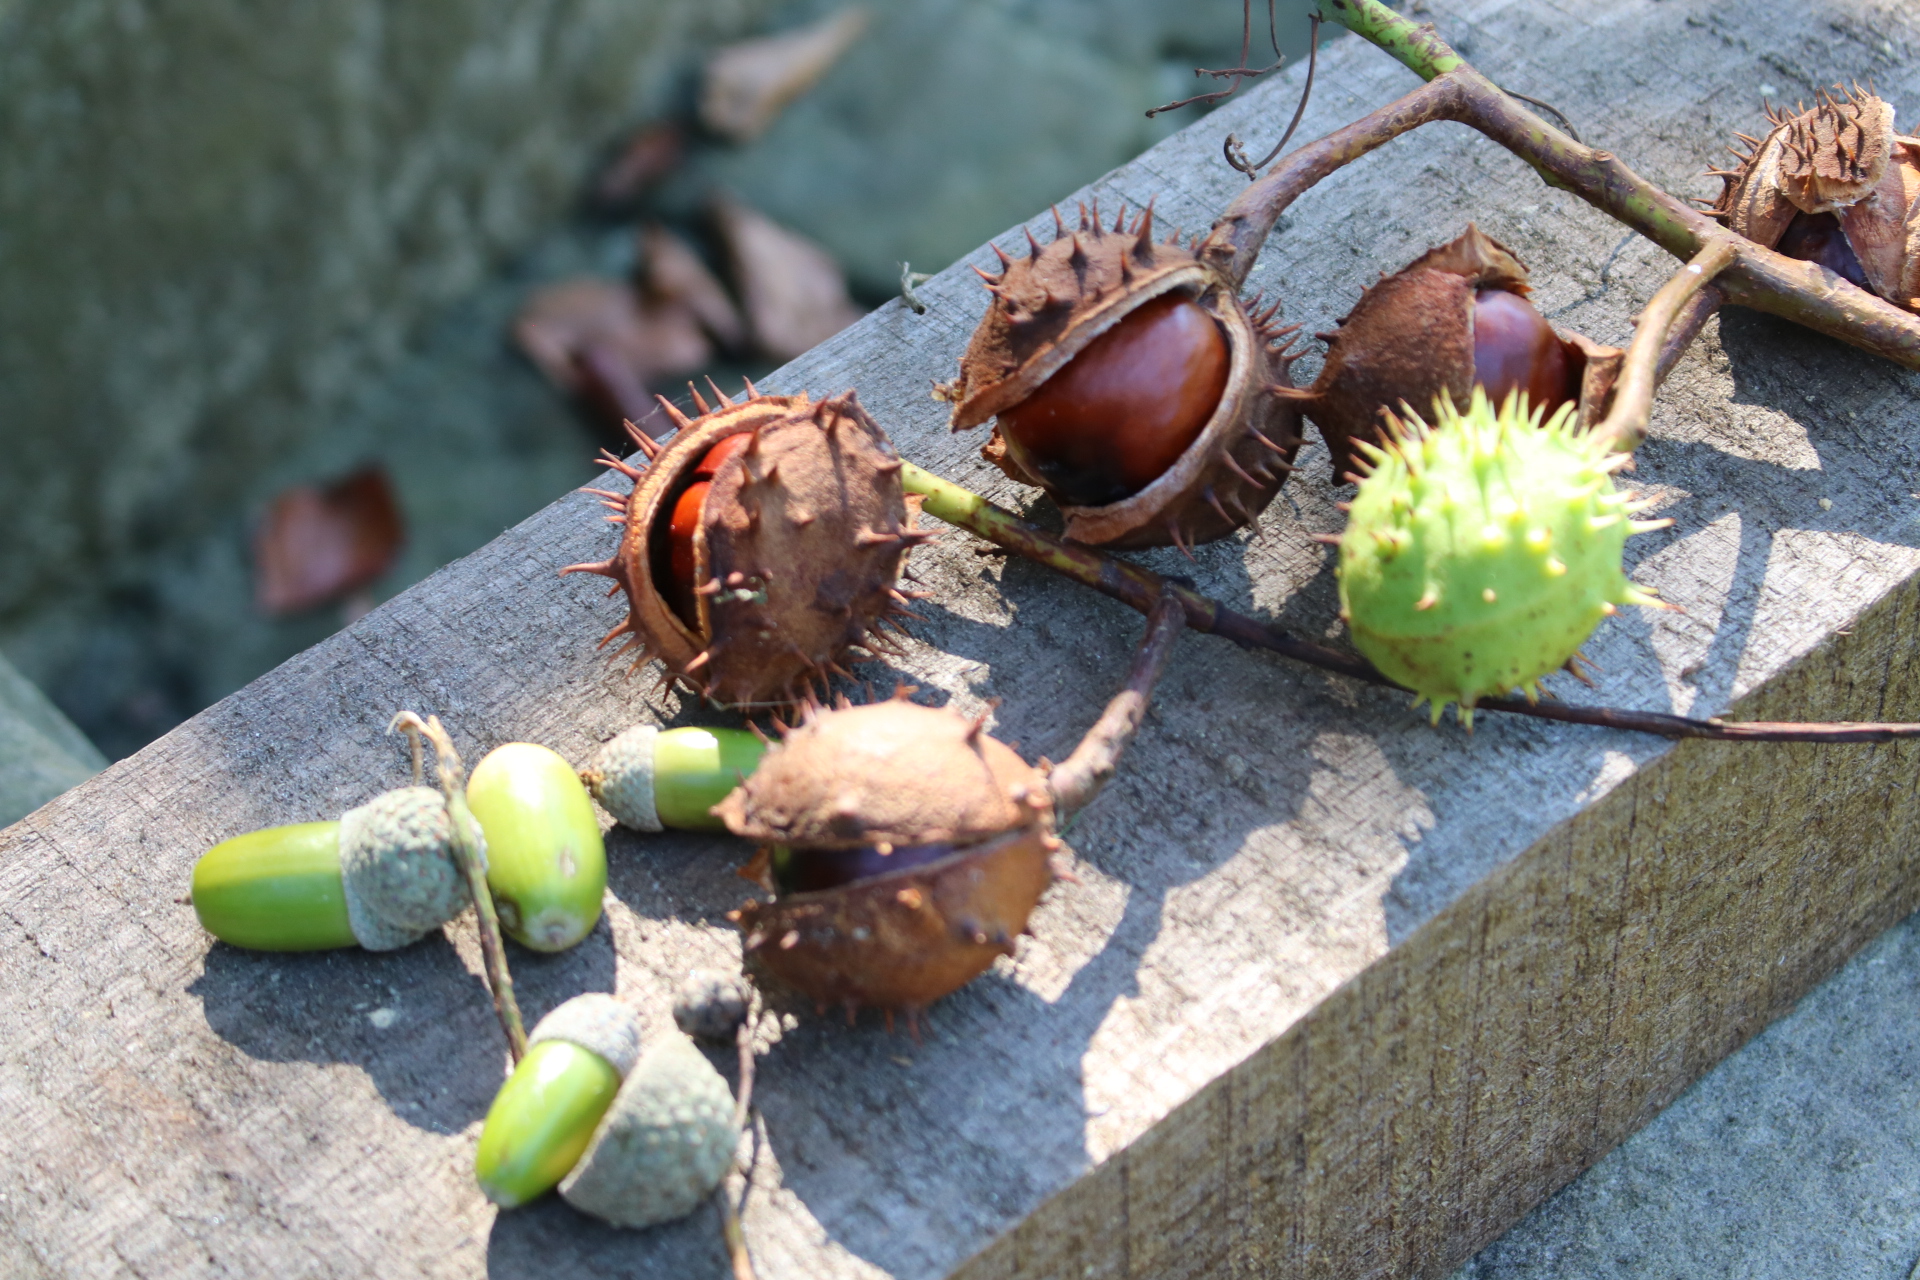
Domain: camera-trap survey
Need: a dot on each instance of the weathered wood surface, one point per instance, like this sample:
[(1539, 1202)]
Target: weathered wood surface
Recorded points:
[(1339, 995)]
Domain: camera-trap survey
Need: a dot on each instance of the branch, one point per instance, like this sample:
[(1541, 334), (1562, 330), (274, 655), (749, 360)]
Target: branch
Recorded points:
[(731, 1230), (1079, 778), (1759, 278), (1140, 589), (1625, 425), (469, 852)]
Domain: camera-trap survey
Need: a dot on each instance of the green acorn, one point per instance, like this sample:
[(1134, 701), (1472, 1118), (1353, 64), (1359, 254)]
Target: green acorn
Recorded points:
[(547, 864), (545, 1115), (381, 877), (650, 779), (1481, 551)]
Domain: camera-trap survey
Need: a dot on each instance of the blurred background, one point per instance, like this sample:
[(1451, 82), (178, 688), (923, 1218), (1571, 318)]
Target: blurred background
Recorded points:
[(300, 307)]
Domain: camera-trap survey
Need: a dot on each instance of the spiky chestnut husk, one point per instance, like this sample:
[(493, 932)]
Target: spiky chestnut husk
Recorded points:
[(663, 1145), (1833, 185), (800, 541), (895, 776), (1052, 306), (1481, 551), (1419, 334)]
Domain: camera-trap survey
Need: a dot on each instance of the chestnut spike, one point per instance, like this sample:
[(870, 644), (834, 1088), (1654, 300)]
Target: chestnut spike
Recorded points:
[(1001, 254), (602, 567), (1096, 213), (991, 281), (1084, 224), (1033, 244), (699, 401), (1143, 243), (680, 421), (1059, 227), (619, 498), (1120, 219), (1173, 527), (647, 444), (724, 401), (753, 392), (1239, 470), (1213, 500)]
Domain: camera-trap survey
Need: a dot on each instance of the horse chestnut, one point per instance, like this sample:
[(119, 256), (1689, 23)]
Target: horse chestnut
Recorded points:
[(906, 849), (1131, 384), (760, 545), (1833, 186), (1453, 320)]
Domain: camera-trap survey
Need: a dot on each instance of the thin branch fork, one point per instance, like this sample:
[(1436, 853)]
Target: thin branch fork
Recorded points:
[(1625, 425), (1759, 278), (1079, 778), (1141, 589), (469, 852)]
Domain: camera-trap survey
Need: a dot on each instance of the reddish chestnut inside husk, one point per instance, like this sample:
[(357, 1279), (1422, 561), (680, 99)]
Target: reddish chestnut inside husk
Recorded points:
[(673, 554), (1116, 416), (1515, 349)]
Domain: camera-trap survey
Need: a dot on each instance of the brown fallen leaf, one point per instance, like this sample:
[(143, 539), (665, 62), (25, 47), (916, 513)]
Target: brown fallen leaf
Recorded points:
[(600, 341), (648, 155), (317, 545), (670, 271), (749, 84), (792, 290)]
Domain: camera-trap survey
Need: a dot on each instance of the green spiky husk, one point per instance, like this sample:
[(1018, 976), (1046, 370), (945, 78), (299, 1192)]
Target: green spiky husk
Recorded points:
[(1481, 551)]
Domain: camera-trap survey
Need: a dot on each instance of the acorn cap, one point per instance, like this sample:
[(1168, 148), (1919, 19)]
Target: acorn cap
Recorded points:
[(663, 1146), (397, 868), (1053, 304), (598, 1023), (621, 778), (892, 772)]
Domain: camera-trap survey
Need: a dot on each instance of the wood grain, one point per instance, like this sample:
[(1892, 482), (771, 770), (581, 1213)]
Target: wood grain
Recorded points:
[(1338, 994)]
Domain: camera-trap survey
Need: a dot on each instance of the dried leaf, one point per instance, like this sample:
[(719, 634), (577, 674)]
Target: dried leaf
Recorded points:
[(793, 291), (645, 158), (673, 272), (315, 545), (749, 84), (596, 339)]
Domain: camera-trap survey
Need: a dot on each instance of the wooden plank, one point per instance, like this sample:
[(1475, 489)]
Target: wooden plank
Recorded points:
[(1340, 994)]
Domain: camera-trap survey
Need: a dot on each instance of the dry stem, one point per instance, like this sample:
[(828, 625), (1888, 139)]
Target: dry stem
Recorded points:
[(1758, 278), (731, 1229), (1140, 588), (1625, 425), (469, 851), (1079, 778)]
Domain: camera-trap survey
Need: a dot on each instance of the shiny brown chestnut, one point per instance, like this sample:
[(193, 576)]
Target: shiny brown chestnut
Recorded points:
[(1455, 318), (1131, 384), (759, 546)]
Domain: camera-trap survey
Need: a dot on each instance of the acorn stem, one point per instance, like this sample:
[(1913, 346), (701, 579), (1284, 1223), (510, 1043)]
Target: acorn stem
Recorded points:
[(1625, 425), (1076, 780), (1140, 588), (1759, 278), (467, 852), (731, 1230)]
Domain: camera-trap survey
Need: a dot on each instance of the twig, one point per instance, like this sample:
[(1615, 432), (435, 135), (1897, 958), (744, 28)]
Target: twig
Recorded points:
[(1231, 147), (1240, 72), (730, 1227), (1625, 425), (1802, 292), (909, 278), (1140, 588), (470, 852), (1566, 125), (1079, 778), (1686, 327)]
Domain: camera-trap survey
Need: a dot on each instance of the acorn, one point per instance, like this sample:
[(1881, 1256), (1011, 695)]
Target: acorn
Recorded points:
[(759, 546), (905, 848), (650, 778), (1834, 185), (547, 864), (1481, 551), (1129, 381), (1452, 321), (632, 1137), (545, 1115), (381, 877)]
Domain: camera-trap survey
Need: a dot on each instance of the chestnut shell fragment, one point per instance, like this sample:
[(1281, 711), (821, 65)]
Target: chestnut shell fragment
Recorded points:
[(1052, 305), (895, 774), (800, 541)]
